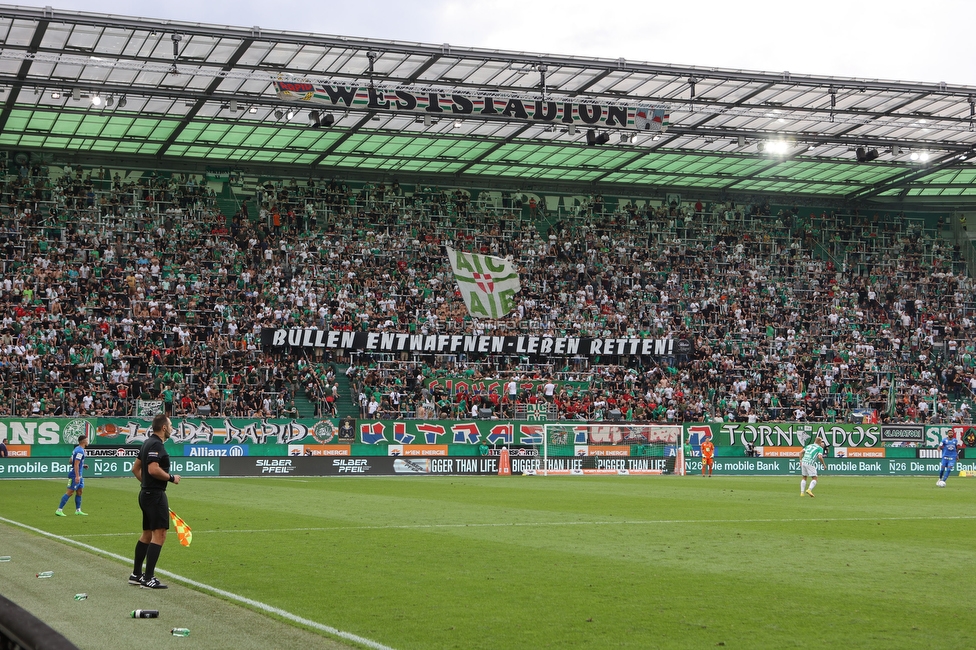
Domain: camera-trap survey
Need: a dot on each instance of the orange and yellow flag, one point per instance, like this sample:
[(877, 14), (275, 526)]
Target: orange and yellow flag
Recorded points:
[(183, 532)]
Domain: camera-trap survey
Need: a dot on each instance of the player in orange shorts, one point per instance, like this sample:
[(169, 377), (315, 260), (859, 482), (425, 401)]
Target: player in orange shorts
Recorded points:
[(708, 455)]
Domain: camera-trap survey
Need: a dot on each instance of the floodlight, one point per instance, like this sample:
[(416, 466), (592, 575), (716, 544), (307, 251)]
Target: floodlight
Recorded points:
[(592, 139), (864, 156), (96, 100), (317, 120)]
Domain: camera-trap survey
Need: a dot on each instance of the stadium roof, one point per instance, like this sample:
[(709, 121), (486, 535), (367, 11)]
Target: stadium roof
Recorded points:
[(187, 95)]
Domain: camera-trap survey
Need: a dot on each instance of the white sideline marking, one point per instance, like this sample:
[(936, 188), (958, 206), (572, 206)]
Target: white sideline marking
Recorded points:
[(555, 523), (220, 592)]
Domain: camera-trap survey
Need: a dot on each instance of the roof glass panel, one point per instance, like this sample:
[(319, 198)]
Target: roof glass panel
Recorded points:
[(701, 150)]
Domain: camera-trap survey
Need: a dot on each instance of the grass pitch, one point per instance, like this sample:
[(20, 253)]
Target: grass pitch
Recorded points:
[(563, 562)]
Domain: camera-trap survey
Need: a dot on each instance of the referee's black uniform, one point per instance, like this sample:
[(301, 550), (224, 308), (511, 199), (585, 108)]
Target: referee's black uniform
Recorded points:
[(152, 496), (155, 511)]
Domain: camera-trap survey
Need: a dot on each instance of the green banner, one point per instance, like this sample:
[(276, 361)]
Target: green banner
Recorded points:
[(55, 437), (835, 466), (196, 467), (786, 434), (100, 467), (798, 434), (46, 431)]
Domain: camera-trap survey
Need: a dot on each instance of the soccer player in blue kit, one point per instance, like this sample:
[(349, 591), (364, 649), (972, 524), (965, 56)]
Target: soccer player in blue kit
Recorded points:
[(76, 482), (950, 453)]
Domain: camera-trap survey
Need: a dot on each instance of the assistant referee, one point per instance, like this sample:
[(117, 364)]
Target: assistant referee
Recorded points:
[(152, 470)]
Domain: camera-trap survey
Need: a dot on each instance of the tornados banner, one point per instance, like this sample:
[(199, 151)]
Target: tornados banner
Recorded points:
[(299, 338), (441, 102), (488, 284)]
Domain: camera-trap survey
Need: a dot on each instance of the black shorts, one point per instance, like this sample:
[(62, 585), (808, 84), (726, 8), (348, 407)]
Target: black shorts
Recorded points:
[(155, 509)]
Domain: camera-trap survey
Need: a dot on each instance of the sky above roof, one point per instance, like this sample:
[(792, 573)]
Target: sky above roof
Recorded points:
[(893, 39)]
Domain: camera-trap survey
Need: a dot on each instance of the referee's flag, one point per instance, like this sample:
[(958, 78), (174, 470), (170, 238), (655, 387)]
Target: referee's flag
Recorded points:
[(183, 532)]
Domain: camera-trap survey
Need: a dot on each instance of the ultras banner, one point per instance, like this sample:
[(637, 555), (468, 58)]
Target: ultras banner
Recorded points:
[(272, 339), (248, 437), (436, 102), (786, 434), (46, 437)]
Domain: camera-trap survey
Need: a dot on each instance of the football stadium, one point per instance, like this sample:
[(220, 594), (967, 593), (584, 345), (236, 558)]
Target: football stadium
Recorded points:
[(433, 346)]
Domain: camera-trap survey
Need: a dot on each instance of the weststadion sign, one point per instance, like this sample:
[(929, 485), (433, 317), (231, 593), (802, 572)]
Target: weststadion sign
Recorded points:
[(296, 338), (437, 101)]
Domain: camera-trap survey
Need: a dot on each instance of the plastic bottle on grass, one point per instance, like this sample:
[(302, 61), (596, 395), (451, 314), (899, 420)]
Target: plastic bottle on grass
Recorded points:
[(180, 631), (81, 596), (46, 574), (4, 558), (145, 613)]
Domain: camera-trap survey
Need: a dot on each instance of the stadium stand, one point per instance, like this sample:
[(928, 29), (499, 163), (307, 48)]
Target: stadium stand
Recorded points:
[(148, 286)]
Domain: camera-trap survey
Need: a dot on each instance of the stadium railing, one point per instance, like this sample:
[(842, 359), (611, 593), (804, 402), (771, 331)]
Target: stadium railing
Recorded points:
[(21, 630)]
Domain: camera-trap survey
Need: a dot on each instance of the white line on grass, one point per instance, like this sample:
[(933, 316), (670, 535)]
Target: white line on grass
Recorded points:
[(557, 523), (355, 638)]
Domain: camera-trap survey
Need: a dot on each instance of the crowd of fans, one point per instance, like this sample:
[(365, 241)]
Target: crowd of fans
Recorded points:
[(115, 289)]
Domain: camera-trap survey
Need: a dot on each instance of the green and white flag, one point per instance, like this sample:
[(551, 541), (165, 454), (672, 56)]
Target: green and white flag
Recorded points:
[(488, 284)]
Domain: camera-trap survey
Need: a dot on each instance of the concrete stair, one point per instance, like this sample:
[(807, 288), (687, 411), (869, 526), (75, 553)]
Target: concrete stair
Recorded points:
[(346, 405)]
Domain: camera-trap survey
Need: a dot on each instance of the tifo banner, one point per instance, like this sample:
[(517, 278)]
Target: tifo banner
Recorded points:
[(272, 339), (457, 432), (220, 436), (44, 431), (903, 433), (453, 384), (487, 284), (148, 408), (787, 434), (230, 437), (449, 103)]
